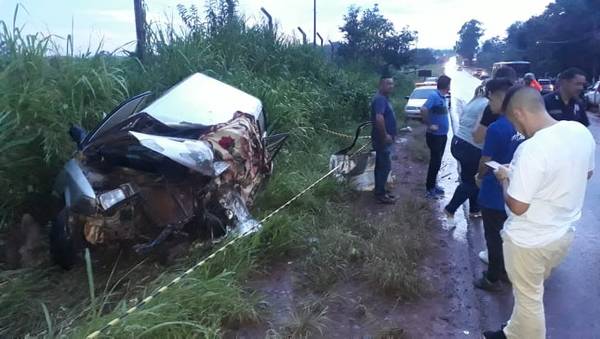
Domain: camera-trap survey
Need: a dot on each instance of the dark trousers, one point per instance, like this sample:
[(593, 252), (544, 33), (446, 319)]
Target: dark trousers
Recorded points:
[(436, 144), (383, 166), (493, 222), (468, 156)]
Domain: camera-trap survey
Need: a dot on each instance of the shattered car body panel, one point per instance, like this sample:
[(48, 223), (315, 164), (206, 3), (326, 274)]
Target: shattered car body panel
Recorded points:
[(145, 175)]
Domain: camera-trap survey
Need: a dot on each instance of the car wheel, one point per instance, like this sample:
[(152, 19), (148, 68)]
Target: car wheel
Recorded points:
[(65, 242)]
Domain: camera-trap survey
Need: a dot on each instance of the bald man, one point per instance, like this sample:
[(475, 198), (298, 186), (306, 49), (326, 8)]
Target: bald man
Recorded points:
[(544, 188)]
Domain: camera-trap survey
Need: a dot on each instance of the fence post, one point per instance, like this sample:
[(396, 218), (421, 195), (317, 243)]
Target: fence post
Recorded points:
[(140, 28), (303, 35), (320, 38), (315, 23), (269, 18)]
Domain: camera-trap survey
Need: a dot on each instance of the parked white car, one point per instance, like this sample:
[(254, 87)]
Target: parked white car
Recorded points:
[(592, 96), (417, 99)]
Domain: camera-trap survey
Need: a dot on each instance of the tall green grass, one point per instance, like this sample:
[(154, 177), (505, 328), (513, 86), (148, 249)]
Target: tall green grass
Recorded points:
[(42, 92), (45, 92)]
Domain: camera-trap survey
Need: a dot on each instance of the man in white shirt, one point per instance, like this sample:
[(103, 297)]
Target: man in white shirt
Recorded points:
[(544, 189)]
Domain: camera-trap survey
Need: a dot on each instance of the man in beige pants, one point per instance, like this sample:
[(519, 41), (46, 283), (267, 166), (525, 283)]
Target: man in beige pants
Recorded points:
[(544, 188)]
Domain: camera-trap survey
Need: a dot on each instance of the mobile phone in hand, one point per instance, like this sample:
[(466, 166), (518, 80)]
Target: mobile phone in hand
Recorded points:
[(493, 165)]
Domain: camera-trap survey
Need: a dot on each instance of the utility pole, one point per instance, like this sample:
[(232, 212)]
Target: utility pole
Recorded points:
[(595, 42), (314, 22), (140, 28)]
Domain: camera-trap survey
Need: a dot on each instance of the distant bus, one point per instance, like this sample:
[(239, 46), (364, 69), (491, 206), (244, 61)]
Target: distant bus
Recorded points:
[(521, 67)]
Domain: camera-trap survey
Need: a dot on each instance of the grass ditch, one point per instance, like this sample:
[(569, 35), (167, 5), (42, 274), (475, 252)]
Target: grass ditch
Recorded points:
[(383, 251)]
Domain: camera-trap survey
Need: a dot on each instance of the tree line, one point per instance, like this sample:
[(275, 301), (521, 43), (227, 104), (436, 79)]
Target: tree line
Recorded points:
[(566, 34)]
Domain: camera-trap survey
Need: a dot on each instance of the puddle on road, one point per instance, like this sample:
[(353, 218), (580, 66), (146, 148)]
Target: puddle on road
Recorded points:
[(448, 180)]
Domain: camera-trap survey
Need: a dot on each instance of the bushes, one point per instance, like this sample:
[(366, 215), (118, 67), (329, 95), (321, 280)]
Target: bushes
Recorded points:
[(43, 93)]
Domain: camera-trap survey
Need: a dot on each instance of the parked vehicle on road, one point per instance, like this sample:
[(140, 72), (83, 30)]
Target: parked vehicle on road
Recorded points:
[(187, 165), (426, 83), (592, 95), (417, 99), (521, 67), (547, 86)]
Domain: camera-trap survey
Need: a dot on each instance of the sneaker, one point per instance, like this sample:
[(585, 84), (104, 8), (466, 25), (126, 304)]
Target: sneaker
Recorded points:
[(385, 199), (438, 190), (389, 194), (484, 284), (483, 255), (475, 215), (503, 277), (449, 216), (494, 335)]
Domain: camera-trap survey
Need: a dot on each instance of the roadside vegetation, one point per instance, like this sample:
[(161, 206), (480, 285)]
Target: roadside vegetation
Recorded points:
[(45, 87)]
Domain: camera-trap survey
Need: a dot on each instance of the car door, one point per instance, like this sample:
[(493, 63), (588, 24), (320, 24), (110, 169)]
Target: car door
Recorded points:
[(120, 113)]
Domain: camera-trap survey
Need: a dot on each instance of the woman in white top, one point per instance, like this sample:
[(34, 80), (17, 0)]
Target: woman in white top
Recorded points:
[(467, 152)]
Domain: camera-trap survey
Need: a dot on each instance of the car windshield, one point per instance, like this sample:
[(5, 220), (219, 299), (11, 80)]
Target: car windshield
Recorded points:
[(422, 93)]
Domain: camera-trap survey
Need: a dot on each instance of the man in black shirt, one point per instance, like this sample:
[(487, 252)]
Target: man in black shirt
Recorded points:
[(565, 104)]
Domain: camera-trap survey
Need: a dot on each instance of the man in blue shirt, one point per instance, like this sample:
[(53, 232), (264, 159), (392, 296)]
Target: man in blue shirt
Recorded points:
[(501, 142), (382, 136), (435, 116)]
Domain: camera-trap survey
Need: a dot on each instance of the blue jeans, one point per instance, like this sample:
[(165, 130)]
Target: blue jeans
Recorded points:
[(468, 156), (383, 166)]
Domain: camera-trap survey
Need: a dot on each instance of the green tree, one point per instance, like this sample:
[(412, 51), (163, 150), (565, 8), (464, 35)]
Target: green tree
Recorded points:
[(468, 39), (566, 34), (492, 50), (423, 56), (372, 38)]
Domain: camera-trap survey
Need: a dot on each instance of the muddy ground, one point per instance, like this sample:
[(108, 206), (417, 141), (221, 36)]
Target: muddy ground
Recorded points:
[(446, 308)]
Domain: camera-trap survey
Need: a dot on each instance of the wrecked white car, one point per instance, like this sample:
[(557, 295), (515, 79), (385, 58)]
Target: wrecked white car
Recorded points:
[(188, 164)]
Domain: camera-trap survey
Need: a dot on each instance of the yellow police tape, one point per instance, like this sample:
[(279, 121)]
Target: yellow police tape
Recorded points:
[(221, 249), (342, 135)]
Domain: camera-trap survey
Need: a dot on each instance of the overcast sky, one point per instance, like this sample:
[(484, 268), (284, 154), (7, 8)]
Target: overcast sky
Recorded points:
[(112, 21)]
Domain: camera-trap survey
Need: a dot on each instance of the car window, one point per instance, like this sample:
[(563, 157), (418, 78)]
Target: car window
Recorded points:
[(422, 93), (119, 114)]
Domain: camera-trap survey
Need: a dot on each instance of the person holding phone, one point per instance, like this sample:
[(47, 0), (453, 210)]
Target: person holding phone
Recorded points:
[(544, 189), (501, 141)]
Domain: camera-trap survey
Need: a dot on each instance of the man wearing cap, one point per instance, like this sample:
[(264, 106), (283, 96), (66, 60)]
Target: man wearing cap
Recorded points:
[(529, 80)]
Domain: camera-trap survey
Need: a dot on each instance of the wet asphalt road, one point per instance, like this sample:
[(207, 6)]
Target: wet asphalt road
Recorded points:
[(572, 296)]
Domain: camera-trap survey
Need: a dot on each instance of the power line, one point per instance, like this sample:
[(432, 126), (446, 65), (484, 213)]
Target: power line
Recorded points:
[(592, 34)]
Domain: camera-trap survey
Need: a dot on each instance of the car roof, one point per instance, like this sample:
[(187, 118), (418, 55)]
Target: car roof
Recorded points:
[(200, 99), (424, 88)]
